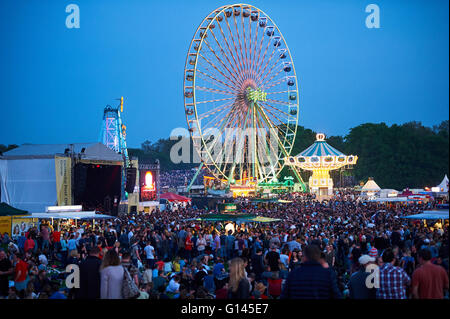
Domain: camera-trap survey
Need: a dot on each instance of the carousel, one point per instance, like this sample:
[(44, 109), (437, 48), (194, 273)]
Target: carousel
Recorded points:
[(321, 158)]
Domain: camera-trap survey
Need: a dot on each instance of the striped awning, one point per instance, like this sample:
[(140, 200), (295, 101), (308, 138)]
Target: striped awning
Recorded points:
[(320, 148)]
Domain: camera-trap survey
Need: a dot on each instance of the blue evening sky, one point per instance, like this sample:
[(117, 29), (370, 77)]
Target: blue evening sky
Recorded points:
[(56, 81)]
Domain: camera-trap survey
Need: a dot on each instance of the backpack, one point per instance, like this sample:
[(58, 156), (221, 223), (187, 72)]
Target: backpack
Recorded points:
[(129, 288)]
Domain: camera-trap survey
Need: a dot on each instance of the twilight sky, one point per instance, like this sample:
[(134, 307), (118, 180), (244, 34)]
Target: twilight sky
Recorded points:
[(56, 81)]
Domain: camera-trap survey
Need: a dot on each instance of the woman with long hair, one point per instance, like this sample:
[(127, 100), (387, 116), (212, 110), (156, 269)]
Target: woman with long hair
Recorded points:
[(111, 276), (239, 286)]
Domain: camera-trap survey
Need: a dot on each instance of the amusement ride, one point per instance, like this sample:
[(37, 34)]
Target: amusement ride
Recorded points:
[(240, 77), (113, 135)]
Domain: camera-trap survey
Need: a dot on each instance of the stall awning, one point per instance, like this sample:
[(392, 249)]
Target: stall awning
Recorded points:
[(391, 199), (68, 215), (430, 214), (7, 210), (174, 197)]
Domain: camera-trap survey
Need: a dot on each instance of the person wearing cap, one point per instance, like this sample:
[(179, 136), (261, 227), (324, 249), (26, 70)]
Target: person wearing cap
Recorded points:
[(357, 284)]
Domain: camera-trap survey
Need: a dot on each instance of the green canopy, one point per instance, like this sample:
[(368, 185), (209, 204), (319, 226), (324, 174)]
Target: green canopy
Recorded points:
[(6, 210), (239, 218), (224, 217)]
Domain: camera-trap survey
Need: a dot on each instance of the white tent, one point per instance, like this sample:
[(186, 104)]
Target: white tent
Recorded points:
[(443, 186), (28, 173), (388, 193), (371, 186)]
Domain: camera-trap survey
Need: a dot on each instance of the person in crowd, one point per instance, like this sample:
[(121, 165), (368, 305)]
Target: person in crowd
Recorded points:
[(239, 286), (6, 270), (394, 281), (111, 276), (20, 272), (90, 276), (358, 287), (429, 281), (311, 280)]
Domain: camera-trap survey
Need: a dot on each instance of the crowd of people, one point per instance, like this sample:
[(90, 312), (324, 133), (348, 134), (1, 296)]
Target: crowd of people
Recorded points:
[(180, 177), (318, 250)]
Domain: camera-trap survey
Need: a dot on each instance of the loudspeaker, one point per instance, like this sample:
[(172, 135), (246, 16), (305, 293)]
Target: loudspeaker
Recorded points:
[(80, 179), (131, 180)]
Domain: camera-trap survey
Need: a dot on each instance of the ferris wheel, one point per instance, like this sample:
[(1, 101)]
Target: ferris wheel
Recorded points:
[(241, 95)]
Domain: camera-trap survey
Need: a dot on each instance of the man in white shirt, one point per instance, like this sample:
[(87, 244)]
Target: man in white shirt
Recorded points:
[(130, 234), (150, 255), (174, 285)]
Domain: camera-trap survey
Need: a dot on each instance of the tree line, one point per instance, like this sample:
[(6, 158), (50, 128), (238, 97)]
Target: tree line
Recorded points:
[(396, 156)]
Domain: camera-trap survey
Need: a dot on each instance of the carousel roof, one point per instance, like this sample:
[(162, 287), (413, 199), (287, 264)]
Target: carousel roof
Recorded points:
[(320, 148)]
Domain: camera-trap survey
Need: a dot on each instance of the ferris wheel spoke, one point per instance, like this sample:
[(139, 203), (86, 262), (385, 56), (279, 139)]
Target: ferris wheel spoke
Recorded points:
[(220, 72), (205, 77), (275, 108), (270, 70), (278, 102), (214, 111), (203, 88), (240, 46), (260, 61), (238, 65), (225, 120), (261, 72), (217, 100), (233, 75), (271, 78), (279, 92), (253, 48), (249, 43), (214, 120), (234, 46), (255, 64), (218, 81), (274, 84), (226, 56)]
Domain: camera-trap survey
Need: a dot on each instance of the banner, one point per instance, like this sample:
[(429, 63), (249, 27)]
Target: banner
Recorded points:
[(63, 170), (5, 225), (22, 225)]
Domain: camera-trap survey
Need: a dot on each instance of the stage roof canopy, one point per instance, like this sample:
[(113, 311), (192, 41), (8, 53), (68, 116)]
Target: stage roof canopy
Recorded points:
[(92, 151)]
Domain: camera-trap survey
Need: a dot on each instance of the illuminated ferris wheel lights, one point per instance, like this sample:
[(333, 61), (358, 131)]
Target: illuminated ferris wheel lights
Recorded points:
[(232, 68)]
